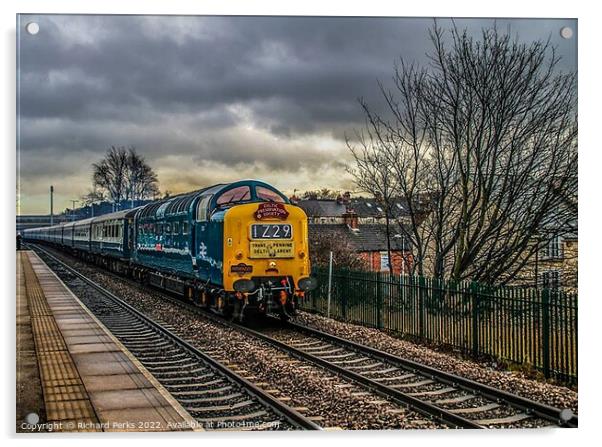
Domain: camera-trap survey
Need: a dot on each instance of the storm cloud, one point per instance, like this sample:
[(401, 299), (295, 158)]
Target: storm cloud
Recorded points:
[(210, 99)]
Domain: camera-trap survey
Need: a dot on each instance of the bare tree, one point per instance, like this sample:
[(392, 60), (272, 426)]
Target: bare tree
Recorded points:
[(374, 175), (109, 174), (92, 196), (484, 139), (321, 194), (124, 175), (343, 254), (141, 180)]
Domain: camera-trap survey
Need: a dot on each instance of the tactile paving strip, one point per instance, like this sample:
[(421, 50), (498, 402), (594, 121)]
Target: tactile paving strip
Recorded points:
[(87, 370), (64, 393)]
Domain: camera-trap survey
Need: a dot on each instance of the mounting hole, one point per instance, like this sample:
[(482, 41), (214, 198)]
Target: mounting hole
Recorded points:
[(32, 28), (566, 32), (32, 418), (566, 415)]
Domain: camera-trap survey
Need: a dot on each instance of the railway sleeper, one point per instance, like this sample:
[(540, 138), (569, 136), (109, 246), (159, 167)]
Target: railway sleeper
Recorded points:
[(235, 406), (202, 392)]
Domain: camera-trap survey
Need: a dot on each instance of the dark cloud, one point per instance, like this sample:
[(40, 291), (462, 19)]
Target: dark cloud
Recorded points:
[(268, 97)]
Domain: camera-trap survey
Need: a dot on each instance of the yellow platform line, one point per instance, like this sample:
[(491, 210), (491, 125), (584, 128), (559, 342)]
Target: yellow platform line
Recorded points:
[(43, 273), (65, 396)]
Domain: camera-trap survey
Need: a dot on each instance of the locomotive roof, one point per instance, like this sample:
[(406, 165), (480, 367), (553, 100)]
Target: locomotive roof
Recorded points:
[(178, 204), (181, 203)]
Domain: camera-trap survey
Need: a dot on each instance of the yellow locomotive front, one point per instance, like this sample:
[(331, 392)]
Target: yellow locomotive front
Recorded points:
[(266, 256)]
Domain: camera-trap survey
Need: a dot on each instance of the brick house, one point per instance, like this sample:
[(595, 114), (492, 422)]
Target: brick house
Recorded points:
[(359, 223)]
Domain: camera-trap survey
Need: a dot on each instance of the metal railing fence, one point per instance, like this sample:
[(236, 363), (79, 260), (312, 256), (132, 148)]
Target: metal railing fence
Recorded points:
[(534, 327)]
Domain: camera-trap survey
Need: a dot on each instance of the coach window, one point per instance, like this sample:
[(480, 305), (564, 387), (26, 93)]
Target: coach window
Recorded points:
[(184, 227), (176, 228)]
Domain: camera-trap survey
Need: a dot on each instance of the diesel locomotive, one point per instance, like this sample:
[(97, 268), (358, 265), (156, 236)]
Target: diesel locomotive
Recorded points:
[(239, 248)]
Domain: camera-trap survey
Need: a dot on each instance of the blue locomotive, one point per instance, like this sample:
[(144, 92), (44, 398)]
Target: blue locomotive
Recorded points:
[(238, 248)]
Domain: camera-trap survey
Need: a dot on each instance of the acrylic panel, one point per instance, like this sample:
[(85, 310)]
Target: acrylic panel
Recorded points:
[(272, 223)]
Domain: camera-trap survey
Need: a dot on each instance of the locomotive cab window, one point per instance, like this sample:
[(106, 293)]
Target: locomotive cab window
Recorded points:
[(235, 195), (268, 195)]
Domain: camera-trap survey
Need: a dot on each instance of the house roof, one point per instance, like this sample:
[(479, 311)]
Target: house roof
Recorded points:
[(363, 207), (322, 208), (368, 237)]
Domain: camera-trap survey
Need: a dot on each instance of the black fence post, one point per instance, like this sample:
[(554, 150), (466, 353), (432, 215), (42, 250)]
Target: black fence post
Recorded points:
[(421, 305), (545, 328), (474, 297), (379, 300)]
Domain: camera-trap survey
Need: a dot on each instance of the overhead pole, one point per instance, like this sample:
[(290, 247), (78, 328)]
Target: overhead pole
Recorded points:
[(51, 205)]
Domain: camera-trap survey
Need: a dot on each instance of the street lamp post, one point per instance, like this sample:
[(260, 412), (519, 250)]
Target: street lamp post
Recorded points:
[(51, 205)]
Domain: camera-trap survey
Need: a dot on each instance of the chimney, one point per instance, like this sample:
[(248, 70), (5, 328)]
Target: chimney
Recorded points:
[(350, 219), (347, 197)]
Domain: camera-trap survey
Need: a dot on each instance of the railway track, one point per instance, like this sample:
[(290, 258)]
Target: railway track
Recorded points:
[(217, 397), (453, 400)]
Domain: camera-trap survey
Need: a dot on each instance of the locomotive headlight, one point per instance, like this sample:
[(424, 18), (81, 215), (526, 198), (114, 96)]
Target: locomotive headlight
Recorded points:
[(244, 285), (308, 283)]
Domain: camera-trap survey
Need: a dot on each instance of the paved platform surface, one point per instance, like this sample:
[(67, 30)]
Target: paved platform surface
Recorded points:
[(90, 381)]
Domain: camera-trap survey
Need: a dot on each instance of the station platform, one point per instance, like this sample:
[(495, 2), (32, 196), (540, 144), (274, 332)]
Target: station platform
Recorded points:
[(89, 381)]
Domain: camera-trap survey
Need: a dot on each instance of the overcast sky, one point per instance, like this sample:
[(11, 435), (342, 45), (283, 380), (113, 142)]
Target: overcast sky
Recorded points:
[(211, 99)]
